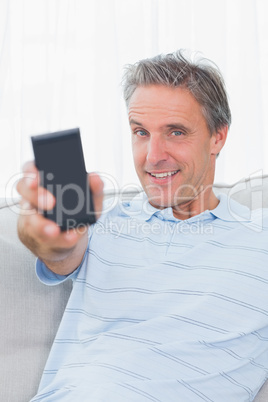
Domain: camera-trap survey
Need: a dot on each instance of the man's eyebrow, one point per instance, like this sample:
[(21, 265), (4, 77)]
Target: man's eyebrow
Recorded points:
[(131, 122), (176, 126), (172, 126)]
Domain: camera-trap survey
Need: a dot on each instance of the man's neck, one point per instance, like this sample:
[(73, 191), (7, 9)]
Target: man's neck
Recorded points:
[(204, 201)]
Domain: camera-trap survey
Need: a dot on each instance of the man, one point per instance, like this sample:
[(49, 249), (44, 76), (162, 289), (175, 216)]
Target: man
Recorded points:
[(170, 290)]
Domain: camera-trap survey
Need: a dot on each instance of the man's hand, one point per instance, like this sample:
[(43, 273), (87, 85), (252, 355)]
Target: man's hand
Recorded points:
[(62, 252)]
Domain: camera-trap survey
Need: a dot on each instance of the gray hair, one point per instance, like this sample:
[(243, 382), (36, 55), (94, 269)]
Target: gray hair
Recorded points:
[(202, 78)]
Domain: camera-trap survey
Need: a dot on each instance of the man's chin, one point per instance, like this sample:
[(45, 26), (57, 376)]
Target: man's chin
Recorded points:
[(162, 202)]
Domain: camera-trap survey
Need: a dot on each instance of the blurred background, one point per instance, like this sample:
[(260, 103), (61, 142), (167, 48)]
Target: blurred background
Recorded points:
[(62, 61)]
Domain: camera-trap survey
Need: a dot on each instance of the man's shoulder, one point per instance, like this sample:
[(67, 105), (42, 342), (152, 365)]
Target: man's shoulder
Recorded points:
[(260, 216), (125, 206)]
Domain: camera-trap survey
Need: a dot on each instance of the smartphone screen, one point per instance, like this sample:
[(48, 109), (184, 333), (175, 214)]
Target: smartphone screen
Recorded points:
[(60, 161)]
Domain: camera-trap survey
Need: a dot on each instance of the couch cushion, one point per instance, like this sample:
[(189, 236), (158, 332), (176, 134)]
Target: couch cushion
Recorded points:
[(29, 314)]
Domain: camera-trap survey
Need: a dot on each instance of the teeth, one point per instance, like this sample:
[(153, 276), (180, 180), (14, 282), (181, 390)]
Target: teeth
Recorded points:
[(161, 175)]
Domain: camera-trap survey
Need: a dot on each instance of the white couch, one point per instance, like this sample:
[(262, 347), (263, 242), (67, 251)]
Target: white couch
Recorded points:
[(30, 312)]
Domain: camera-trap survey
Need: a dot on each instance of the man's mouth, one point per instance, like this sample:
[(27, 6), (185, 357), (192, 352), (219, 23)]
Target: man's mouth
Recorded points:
[(163, 175)]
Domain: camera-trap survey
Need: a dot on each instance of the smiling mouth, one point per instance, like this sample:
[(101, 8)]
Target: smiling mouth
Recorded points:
[(163, 175)]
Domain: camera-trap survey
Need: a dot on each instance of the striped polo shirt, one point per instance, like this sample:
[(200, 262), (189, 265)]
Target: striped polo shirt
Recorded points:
[(164, 309)]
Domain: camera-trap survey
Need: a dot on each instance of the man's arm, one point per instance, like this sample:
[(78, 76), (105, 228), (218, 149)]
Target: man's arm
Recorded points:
[(62, 252)]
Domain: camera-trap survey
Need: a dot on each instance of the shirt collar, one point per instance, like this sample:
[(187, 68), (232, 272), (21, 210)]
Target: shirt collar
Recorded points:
[(231, 210), (227, 210)]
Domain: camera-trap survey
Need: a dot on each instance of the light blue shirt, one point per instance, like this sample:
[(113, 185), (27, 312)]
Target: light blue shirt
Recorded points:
[(164, 310)]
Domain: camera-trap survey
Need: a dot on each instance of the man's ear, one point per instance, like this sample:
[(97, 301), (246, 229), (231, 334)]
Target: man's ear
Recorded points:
[(218, 140)]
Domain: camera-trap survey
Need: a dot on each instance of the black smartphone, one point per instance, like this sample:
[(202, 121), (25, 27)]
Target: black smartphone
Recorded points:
[(60, 161)]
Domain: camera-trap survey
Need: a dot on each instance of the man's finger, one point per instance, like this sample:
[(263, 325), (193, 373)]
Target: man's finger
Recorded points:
[(96, 186)]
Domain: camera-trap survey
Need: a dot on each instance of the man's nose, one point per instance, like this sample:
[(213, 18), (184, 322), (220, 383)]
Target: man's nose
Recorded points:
[(156, 151)]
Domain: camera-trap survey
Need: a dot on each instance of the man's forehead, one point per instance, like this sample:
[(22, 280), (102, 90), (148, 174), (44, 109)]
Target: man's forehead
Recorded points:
[(160, 100), (161, 95)]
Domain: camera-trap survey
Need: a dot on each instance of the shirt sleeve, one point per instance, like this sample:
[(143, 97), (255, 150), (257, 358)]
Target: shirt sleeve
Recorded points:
[(50, 278), (47, 277)]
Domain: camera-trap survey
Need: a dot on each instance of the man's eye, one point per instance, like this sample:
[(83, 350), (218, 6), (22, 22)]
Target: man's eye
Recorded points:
[(141, 133), (177, 133)]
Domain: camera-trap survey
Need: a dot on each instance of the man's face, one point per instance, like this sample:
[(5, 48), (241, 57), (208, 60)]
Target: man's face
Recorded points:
[(174, 152)]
